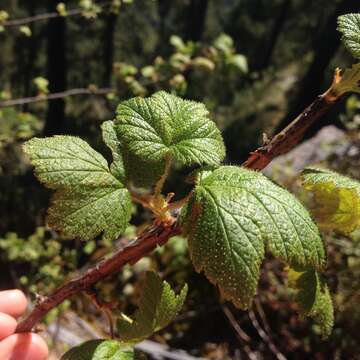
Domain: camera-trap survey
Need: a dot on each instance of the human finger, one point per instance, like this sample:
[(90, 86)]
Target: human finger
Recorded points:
[(25, 346), (12, 302), (7, 325)]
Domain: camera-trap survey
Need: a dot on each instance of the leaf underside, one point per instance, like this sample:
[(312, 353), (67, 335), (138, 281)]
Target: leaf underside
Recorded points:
[(337, 199), (166, 125), (234, 215), (158, 306), (89, 199), (313, 298)]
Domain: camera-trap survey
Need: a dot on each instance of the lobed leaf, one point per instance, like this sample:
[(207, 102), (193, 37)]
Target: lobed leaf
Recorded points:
[(65, 161), (86, 212), (349, 26), (89, 199), (100, 350), (313, 298), (127, 166), (337, 199), (166, 125), (234, 214), (157, 308)]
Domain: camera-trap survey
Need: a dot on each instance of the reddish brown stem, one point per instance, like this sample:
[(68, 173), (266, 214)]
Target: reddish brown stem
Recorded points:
[(288, 138), (145, 243)]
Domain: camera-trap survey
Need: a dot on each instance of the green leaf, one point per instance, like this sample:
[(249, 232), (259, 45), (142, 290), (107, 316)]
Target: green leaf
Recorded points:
[(157, 308), (313, 298), (100, 350), (140, 172), (177, 42), (111, 140), (337, 199), (165, 125), (347, 82), (240, 62), (64, 161), (224, 43), (349, 26), (234, 214), (204, 63), (89, 200), (86, 212), (128, 166)]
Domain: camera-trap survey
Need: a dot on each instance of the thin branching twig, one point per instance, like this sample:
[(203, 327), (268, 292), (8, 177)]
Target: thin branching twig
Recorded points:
[(265, 337), (55, 96), (46, 16)]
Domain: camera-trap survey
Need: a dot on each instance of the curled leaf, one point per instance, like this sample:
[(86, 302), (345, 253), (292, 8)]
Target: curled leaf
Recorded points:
[(313, 298), (158, 306), (337, 199), (349, 26)]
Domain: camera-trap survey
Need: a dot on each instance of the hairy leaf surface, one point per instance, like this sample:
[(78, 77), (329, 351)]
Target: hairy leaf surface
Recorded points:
[(111, 140), (233, 216), (337, 199), (164, 124), (313, 298), (349, 26), (89, 199), (67, 161), (86, 212), (157, 308), (100, 350), (127, 166)]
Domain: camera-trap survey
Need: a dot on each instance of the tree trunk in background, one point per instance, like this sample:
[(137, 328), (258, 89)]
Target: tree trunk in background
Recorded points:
[(110, 25), (56, 72), (325, 49), (195, 16), (268, 50), (31, 53), (164, 7)]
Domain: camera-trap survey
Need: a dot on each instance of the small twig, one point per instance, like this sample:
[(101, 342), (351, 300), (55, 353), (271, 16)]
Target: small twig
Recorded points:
[(45, 16), (264, 336), (54, 96), (242, 334), (243, 337), (262, 315)]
